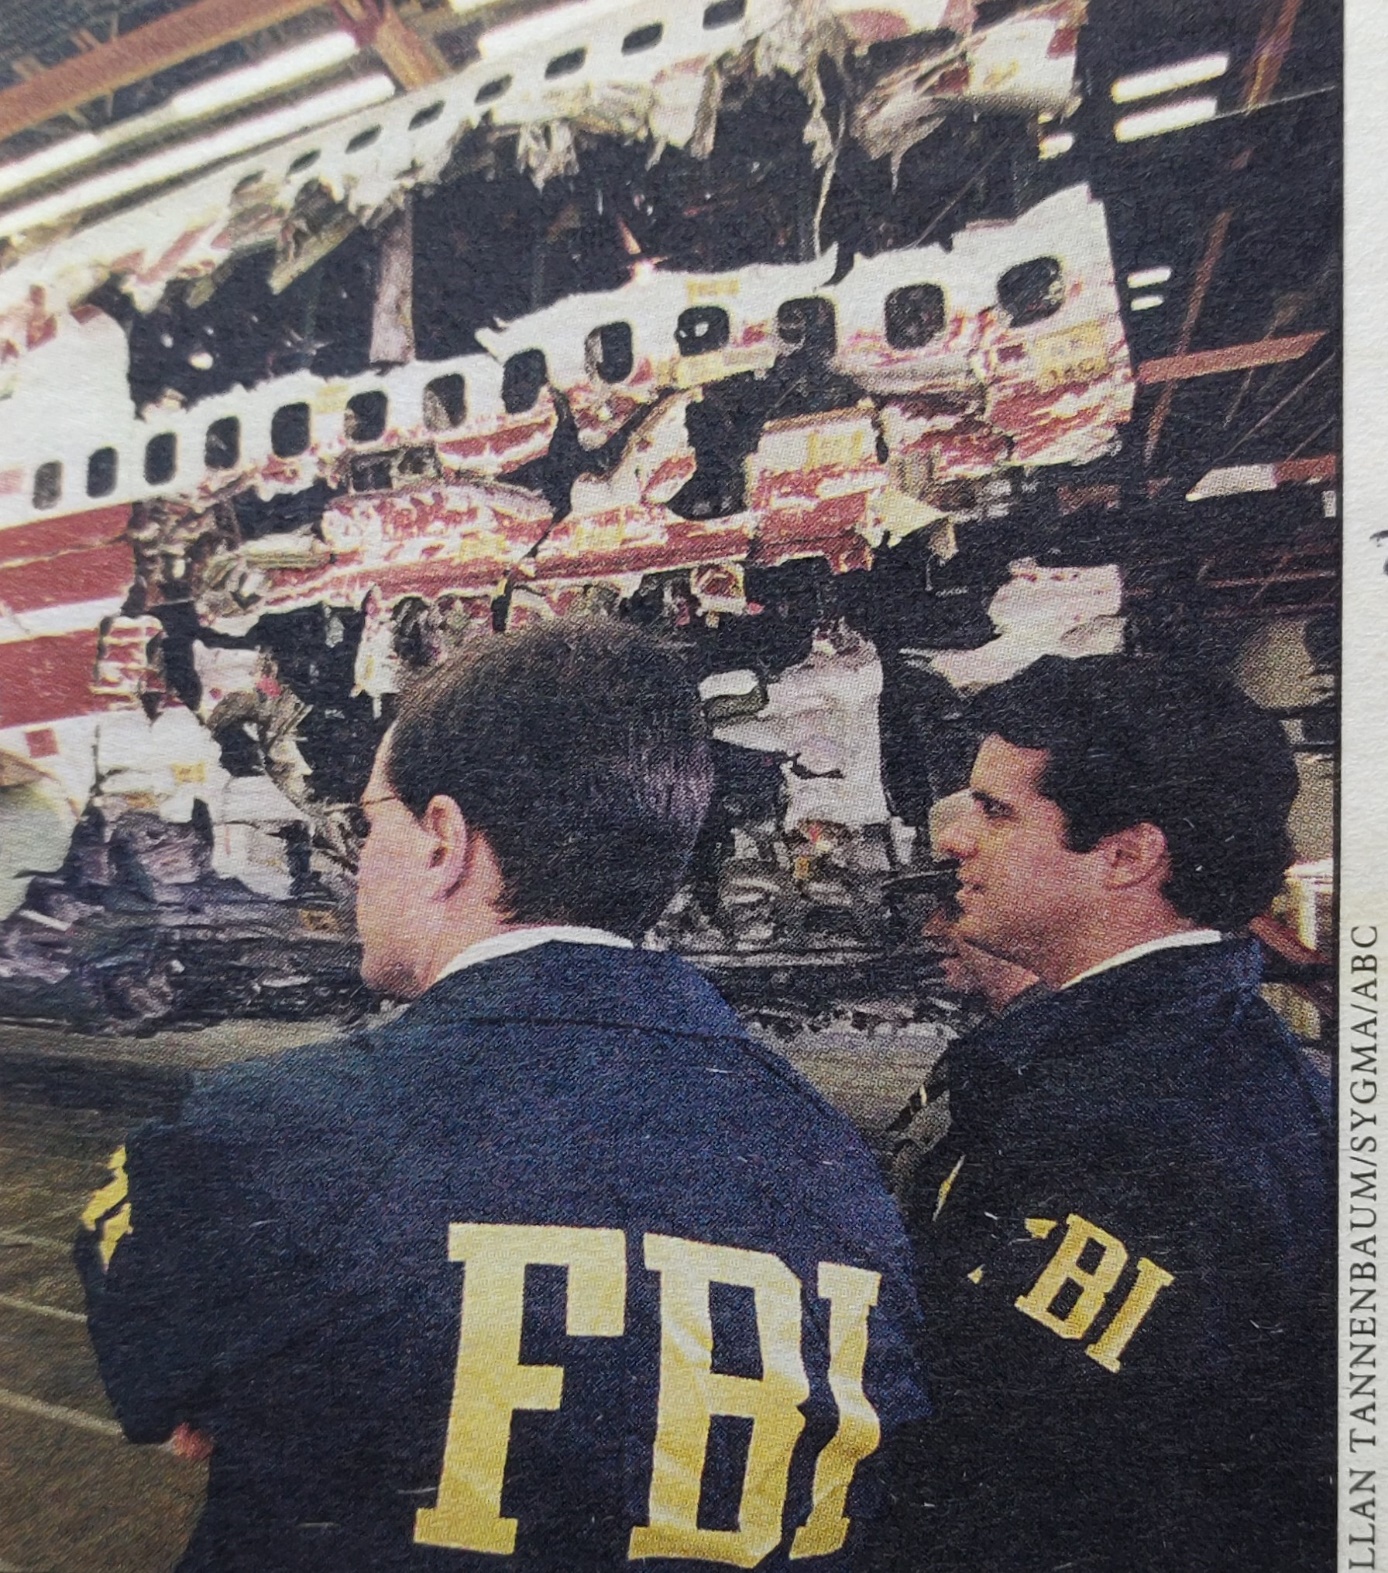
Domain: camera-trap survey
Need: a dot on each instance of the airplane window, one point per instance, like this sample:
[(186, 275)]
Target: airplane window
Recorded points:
[(289, 430), (567, 63), (521, 380), (609, 352), (643, 38), (222, 445), (915, 313), (161, 458), (700, 329), (1032, 291), (445, 402), (102, 468), (725, 13), (808, 323), (48, 484), (366, 416)]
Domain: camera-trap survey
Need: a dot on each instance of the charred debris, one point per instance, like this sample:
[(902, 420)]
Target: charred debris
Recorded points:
[(836, 659)]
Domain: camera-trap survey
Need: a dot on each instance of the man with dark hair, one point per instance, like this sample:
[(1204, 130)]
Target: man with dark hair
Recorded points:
[(1126, 1235), (574, 754), (556, 1269)]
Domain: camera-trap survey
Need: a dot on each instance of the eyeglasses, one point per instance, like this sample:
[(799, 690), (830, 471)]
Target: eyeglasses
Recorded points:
[(358, 821)]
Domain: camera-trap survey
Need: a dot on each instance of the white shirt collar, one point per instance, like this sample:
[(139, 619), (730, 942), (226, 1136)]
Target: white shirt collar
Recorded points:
[(518, 939), (1166, 942)]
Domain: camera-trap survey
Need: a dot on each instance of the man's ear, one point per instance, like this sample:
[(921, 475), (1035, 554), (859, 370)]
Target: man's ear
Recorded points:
[(450, 845), (1137, 855)]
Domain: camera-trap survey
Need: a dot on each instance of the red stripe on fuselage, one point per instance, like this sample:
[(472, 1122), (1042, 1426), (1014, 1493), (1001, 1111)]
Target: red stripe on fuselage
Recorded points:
[(68, 532), (67, 579), (47, 679)]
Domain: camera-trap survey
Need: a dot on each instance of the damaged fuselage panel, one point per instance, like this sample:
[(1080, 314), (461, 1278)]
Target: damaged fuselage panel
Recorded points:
[(208, 604)]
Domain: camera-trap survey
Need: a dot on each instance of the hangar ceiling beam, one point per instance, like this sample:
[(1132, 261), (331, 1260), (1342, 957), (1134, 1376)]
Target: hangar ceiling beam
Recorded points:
[(412, 60), (1264, 67), (1204, 273), (1233, 357), (138, 54)]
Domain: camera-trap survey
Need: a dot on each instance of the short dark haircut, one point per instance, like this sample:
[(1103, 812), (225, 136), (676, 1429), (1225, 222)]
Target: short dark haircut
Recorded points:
[(577, 748), (1136, 740)]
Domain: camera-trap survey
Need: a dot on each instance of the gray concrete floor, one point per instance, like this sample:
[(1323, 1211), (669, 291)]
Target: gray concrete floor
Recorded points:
[(868, 1075), (74, 1496)]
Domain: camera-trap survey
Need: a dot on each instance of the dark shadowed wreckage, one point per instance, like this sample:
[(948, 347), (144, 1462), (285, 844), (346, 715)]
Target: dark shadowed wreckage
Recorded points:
[(799, 331)]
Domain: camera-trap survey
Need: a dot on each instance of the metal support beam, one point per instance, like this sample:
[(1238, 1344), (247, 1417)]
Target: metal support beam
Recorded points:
[(412, 60), (1236, 357), (136, 55), (1269, 52), (1204, 273), (1279, 576), (1277, 408), (1260, 80)]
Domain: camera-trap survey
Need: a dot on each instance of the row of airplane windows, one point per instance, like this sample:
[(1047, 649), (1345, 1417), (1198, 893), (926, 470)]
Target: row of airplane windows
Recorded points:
[(724, 13), (914, 314), (444, 408)]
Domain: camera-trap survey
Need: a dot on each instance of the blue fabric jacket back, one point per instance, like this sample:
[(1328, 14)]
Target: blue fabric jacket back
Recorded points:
[(347, 1264)]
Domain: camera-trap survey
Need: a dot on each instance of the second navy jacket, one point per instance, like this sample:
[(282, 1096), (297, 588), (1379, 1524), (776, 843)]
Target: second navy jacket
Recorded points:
[(1126, 1241)]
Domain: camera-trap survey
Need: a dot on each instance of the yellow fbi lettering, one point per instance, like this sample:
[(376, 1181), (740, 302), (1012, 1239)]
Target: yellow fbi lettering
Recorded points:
[(107, 1214), (851, 1293), (691, 1393), (491, 1384), (1093, 1284)]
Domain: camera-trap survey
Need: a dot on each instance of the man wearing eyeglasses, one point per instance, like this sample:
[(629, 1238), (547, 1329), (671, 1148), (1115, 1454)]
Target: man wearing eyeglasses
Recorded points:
[(554, 1270)]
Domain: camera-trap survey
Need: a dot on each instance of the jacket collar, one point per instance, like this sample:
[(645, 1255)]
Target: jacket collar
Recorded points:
[(1147, 948), (579, 983), (518, 939), (1082, 1017)]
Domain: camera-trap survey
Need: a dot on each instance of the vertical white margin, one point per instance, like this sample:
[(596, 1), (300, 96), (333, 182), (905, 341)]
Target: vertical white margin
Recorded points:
[(1363, 838)]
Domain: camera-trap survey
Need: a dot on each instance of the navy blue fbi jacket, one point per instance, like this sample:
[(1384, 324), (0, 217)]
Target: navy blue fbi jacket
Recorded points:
[(1128, 1237), (557, 1270)]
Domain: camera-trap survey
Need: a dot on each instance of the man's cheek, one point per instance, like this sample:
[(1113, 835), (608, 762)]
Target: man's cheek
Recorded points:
[(1057, 882)]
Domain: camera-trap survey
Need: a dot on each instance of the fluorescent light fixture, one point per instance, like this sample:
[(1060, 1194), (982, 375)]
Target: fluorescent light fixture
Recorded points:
[(62, 155), (532, 32), (1057, 143), (265, 76), (1167, 79), (1146, 278), (1146, 302), (1169, 117), (189, 157), (236, 87)]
